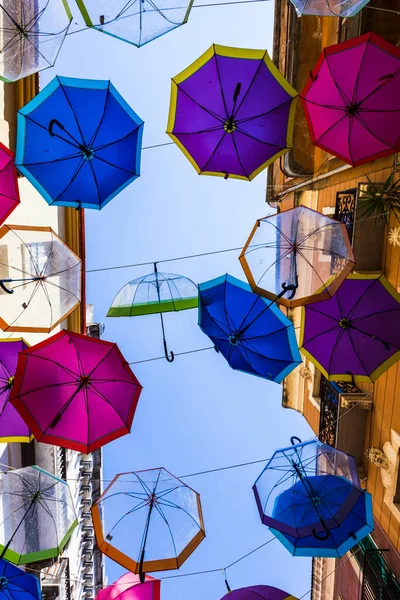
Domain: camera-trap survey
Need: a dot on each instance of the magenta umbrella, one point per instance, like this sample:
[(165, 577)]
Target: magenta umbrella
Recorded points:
[(128, 587), (9, 193), (352, 100), (75, 392), (12, 426), (258, 592)]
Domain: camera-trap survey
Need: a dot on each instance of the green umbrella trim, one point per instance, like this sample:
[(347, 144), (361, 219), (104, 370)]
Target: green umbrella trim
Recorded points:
[(22, 559), (152, 308)]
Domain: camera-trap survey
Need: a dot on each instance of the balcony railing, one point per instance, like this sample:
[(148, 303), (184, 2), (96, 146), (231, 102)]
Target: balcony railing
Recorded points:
[(337, 430), (379, 581)]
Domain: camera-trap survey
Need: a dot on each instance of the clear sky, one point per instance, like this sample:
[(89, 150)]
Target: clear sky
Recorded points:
[(196, 413)]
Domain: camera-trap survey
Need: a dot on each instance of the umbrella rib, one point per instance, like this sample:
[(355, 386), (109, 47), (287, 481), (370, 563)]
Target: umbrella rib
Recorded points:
[(169, 504), (103, 146), (261, 62), (252, 137), (74, 145), (355, 88), (60, 287), (57, 160), (312, 268), (377, 312), (161, 512), (220, 83), (264, 114), (360, 299), (213, 153), (374, 337), (100, 395), (74, 176), (107, 162), (356, 353), (100, 123), (364, 124), (330, 128), (335, 83), (96, 183), (317, 335), (237, 153), (207, 110), (83, 141)]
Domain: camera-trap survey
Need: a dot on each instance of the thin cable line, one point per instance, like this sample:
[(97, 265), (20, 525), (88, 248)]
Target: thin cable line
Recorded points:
[(146, 360)]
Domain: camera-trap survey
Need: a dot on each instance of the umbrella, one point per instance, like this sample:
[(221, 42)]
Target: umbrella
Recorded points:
[(44, 277), (135, 22), (79, 142), (32, 34), (310, 496), (329, 8), (355, 334), (250, 332), (155, 293), (12, 426), (38, 515), (153, 521), (9, 193), (15, 584), (232, 112), (258, 592), (75, 391), (299, 252), (351, 100), (128, 587)]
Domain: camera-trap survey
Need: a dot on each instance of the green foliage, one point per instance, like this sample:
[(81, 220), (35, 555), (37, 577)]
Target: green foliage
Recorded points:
[(378, 199)]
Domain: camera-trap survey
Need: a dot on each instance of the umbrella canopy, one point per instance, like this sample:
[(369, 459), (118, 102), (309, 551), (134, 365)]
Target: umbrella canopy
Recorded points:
[(251, 333), (257, 592), (329, 8), (79, 142), (310, 496), (352, 100), (135, 22), (128, 587), (299, 253), (232, 112), (32, 34), (38, 515), (9, 192), (42, 276), (357, 525), (355, 334), (153, 521), (12, 427), (15, 584), (75, 391), (155, 293)]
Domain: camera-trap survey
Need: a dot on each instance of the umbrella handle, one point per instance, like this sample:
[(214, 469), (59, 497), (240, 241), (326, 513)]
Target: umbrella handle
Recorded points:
[(4, 288), (288, 288), (295, 440), (51, 125), (168, 355), (321, 536)]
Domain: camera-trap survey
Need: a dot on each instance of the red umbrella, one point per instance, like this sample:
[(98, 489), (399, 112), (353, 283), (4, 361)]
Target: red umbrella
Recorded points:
[(352, 99), (9, 194), (75, 391)]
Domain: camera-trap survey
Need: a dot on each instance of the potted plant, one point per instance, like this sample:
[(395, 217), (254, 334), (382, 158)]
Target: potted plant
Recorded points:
[(377, 200)]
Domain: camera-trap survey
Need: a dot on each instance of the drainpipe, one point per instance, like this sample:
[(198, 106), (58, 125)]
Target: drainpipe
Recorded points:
[(313, 180)]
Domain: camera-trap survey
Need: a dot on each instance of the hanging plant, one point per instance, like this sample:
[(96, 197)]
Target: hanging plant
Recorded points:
[(378, 199)]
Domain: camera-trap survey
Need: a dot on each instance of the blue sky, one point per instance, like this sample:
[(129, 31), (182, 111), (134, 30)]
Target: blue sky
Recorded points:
[(196, 413)]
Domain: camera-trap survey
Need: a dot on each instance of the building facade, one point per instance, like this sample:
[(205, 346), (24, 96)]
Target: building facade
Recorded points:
[(78, 573), (362, 420)]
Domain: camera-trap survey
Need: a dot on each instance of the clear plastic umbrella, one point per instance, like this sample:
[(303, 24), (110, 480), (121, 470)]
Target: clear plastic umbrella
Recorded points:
[(32, 33), (40, 279), (37, 517)]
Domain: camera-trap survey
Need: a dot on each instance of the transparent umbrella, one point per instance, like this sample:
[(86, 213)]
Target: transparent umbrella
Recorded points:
[(32, 33), (40, 279), (38, 515)]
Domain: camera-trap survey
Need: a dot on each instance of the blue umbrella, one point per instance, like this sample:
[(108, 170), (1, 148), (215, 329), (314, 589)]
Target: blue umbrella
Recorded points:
[(250, 332), (79, 143), (15, 584), (310, 496)]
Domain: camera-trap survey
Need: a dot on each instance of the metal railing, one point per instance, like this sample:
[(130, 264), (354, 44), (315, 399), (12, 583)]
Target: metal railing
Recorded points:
[(379, 581)]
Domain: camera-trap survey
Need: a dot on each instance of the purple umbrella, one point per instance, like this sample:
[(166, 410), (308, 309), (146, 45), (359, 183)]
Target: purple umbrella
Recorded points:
[(232, 112), (258, 592), (12, 426), (356, 333)]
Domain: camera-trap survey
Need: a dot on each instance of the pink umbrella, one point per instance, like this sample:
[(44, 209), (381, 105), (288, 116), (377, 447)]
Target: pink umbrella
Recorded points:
[(75, 391), (9, 194), (128, 587), (352, 99)]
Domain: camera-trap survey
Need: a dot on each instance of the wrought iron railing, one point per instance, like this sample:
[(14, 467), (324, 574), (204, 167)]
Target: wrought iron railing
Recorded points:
[(379, 581), (345, 209), (331, 393)]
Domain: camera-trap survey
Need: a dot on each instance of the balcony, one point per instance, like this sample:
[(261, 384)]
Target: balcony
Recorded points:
[(378, 581), (366, 235), (347, 433)]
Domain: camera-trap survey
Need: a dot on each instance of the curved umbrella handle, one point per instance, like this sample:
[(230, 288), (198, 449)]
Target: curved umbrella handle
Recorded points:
[(293, 438), (4, 288), (168, 355), (321, 536), (288, 288), (51, 125)]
